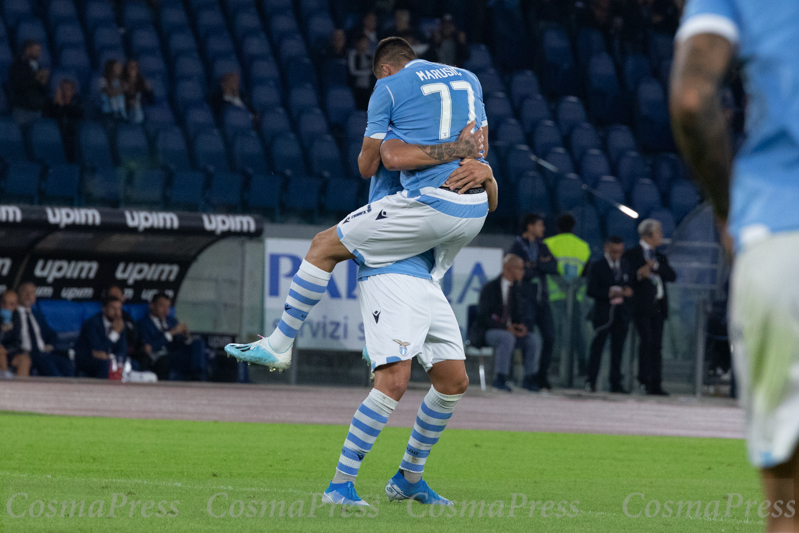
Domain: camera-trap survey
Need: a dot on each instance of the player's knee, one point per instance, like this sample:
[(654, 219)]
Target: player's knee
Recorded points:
[(395, 387), (461, 383)]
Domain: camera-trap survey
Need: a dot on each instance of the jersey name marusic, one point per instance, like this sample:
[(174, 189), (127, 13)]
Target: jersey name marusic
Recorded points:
[(438, 73)]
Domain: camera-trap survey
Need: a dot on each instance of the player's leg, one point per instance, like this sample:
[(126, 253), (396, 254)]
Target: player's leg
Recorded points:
[(781, 484)]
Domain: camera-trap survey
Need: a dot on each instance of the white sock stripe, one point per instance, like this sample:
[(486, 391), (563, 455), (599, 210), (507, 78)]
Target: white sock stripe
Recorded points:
[(380, 403), (314, 272), (292, 322), (371, 422), (368, 439), (430, 420), (414, 460), (428, 433), (343, 459), (444, 403), (316, 296), (298, 304), (419, 445)]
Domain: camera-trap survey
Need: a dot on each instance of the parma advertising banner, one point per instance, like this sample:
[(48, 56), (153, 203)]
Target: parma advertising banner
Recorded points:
[(335, 322)]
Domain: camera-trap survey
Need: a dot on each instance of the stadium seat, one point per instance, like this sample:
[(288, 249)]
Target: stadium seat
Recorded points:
[(339, 104), (622, 225), (97, 13), (210, 21), (282, 25), (147, 189), (44, 140), (274, 123), (12, 147), (326, 159), (560, 159), (103, 186), (590, 43), (172, 18), (569, 192), (188, 93), (310, 126), (302, 194), (618, 141), (546, 136), (68, 34), (188, 67), (30, 28), (265, 96), (248, 154), (198, 118), (186, 190), (531, 195), (22, 182), (136, 14), (93, 147), (518, 161), (653, 128), (61, 184), (235, 120), (224, 194), (290, 50), (636, 68), (152, 65), (302, 98), (255, 46), (105, 37), (144, 40), (6, 58), (263, 71), (302, 72), (209, 152), (510, 132), (287, 155), (264, 193), (604, 94), (609, 191), (583, 137), (593, 166), (218, 45), (16, 10), (246, 22), (356, 125), (661, 47), (224, 65), (668, 169), (666, 220), (479, 58), (534, 110), (132, 149), (334, 72), (271, 7), (683, 198), (523, 84), (570, 112), (560, 72), (171, 151), (157, 117), (490, 81), (354, 150), (586, 226), (645, 197), (341, 196), (629, 169), (319, 29), (498, 108)]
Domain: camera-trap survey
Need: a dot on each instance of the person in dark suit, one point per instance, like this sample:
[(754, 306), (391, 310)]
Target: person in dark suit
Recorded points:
[(27, 82), (609, 286), (505, 319), (169, 345), (11, 355), (136, 354), (538, 262), (38, 339), (650, 302), (101, 344)]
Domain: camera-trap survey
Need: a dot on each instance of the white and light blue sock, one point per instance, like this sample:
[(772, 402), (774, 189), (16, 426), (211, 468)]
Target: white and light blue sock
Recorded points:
[(307, 288), (369, 420), (432, 418)]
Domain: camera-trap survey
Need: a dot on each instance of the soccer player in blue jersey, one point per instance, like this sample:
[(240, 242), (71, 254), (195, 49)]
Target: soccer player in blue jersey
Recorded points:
[(756, 194), (425, 105)]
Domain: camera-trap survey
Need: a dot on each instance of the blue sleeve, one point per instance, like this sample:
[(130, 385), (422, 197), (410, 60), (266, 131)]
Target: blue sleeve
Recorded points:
[(379, 112), (709, 16), (151, 335), (480, 107)]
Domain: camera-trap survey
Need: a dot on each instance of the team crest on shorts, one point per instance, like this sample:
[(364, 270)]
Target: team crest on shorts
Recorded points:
[(403, 347)]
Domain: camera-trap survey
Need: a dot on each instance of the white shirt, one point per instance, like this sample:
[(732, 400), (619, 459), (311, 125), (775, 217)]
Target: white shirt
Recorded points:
[(162, 327), (653, 276), (110, 332), (26, 314), (614, 265)]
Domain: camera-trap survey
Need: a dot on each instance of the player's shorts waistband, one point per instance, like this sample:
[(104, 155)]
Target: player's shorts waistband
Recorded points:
[(473, 190)]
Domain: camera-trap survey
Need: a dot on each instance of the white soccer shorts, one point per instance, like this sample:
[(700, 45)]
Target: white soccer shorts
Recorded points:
[(403, 317), (764, 329), (409, 223)]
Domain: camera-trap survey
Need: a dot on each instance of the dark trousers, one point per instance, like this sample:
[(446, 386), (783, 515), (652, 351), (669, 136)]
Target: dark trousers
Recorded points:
[(649, 325), (52, 364), (93, 367), (543, 319), (617, 328)]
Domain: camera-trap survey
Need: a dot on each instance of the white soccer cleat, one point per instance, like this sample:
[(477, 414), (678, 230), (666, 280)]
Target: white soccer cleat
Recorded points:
[(260, 353)]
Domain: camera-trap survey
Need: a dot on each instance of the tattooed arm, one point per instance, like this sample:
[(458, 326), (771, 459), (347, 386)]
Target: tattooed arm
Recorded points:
[(700, 129), (398, 155)]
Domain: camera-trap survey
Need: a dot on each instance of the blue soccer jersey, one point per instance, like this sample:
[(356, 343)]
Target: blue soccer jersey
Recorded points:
[(426, 103), (765, 180)]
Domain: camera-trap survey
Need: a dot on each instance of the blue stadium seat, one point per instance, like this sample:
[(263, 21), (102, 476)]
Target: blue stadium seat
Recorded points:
[(187, 190), (587, 226), (560, 159), (290, 50), (490, 81), (224, 65), (341, 196), (152, 65), (136, 14), (61, 185), (661, 47), (248, 154), (319, 29), (264, 193), (310, 126), (44, 141), (144, 40), (209, 21), (173, 18), (132, 149), (156, 117), (225, 191), (281, 26), (560, 72), (356, 125), (354, 150), (246, 22), (590, 43), (609, 190), (160, 92), (197, 118), (570, 112), (97, 13), (629, 169), (16, 10), (569, 192), (532, 195), (618, 141), (93, 147), (334, 72), (666, 220), (271, 7), (302, 194), (312, 8), (209, 151), (105, 37), (326, 159), (12, 147), (188, 67), (6, 58), (255, 46), (171, 151), (621, 225), (636, 68), (534, 110), (302, 71), (75, 60), (498, 108), (604, 94), (683, 198), (302, 98), (668, 169), (263, 71), (518, 161), (188, 93), (339, 104), (652, 124), (583, 137), (218, 45), (510, 132), (22, 182), (235, 120), (523, 84), (287, 156), (147, 189), (593, 166), (103, 186), (479, 58), (645, 197), (546, 136), (30, 28), (274, 123), (68, 34)]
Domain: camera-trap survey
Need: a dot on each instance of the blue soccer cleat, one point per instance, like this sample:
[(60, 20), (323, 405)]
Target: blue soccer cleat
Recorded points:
[(342, 494), (260, 353), (398, 488)]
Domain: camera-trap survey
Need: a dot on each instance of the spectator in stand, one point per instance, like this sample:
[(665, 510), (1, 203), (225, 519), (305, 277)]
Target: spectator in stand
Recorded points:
[(66, 110), (505, 319), (229, 94), (12, 358), (450, 43), (137, 92), (609, 286), (359, 65), (135, 352), (167, 341), (112, 91), (101, 346), (538, 262), (367, 29), (337, 47), (38, 339), (28, 84)]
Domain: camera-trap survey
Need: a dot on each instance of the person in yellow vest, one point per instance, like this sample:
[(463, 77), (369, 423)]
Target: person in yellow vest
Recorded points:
[(572, 254)]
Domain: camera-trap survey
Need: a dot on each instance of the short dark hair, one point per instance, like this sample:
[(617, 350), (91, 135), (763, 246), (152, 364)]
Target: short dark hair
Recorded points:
[(105, 291), (157, 296), (392, 50), (614, 239), (565, 223), (27, 43), (530, 218), (109, 300)]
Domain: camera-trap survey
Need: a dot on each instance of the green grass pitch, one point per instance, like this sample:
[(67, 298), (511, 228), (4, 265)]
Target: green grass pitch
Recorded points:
[(154, 475)]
